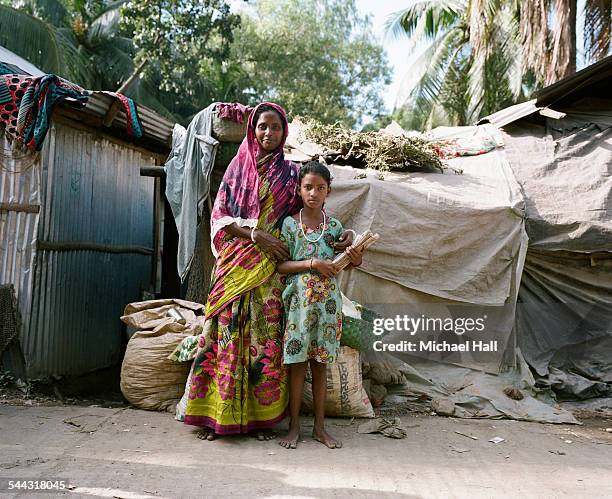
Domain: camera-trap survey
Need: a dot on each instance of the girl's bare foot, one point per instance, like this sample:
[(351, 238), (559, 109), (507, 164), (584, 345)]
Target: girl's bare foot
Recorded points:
[(290, 440), (320, 435), (263, 435), (206, 434)]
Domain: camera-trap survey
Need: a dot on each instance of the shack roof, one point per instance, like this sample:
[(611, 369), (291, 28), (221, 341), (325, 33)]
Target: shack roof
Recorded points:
[(588, 81), (157, 130), (593, 81)]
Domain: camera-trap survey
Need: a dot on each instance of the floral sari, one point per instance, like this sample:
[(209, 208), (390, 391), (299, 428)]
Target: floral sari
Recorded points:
[(239, 383)]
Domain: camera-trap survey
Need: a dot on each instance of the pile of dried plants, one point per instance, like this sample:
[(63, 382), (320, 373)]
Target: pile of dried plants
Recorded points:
[(378, 150)]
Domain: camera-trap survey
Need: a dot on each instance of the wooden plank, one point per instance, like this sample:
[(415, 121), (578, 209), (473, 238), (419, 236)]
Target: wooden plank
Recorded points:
[(25, 208), (113, 109), (152, 171)]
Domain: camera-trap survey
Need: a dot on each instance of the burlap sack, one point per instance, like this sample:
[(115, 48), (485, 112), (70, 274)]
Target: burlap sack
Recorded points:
[(149, 379), (381, 369), (345, 393)]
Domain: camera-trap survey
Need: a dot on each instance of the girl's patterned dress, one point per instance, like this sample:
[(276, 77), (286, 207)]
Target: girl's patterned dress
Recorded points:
[(313, 305)]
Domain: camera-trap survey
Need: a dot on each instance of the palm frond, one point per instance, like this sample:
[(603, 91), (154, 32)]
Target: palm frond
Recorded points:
[(507, 37), (53, 12), (424, 18), (113, 65), (493, 28), (597, 28), (106, 24), (51, 49), (426, 75)]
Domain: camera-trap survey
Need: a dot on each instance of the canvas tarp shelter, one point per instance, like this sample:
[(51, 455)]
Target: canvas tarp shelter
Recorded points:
[(445, 240), (564, 320)]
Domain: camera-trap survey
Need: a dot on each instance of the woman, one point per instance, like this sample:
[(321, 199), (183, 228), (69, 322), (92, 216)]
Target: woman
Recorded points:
[(239, 384)]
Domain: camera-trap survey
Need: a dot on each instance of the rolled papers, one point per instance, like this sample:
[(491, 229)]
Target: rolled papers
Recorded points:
[(364, 241)]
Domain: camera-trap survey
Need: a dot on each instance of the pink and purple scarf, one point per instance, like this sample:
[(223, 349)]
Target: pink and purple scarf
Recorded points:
[(238, 197)]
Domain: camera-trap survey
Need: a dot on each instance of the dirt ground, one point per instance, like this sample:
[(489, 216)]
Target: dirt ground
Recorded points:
[(119, 451)]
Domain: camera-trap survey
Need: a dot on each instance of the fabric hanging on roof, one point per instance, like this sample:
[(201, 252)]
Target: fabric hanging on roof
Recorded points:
[(26, 114), (133, 127), (453, 148), (188, 170)]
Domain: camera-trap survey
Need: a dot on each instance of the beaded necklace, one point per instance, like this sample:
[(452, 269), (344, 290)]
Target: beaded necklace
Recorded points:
[(304, 233)]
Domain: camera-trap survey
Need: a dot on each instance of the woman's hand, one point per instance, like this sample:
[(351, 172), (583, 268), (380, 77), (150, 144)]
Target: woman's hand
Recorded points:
[(355, 255), (344, 241), (271, 245), (324, 267)]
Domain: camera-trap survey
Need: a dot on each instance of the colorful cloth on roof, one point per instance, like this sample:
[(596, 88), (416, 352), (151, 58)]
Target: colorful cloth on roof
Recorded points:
[(133, 127), (463, 146), (233, 111), (26, 105)]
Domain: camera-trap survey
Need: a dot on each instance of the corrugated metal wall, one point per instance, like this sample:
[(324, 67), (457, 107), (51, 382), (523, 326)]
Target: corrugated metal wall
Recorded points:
[(20, 203), (95, 245)]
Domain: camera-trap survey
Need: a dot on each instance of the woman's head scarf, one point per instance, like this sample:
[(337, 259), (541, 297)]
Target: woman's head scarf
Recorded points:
[(238, 197)]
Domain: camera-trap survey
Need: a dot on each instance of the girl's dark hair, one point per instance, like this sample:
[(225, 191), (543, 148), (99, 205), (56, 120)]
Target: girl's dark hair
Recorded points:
[(263, 109), (316, 168)]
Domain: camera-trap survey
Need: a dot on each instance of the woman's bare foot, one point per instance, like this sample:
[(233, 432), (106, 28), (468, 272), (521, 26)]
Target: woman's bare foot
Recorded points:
[(289, 441), (320, 435), (263, 435), (206, 434)]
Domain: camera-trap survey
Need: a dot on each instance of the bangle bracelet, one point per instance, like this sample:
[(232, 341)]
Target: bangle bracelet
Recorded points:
[(354, 233), (253, 234)]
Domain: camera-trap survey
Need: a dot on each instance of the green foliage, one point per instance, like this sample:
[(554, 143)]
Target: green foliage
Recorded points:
[(181, 36), (85, 42), (315, 58), (471, 65)]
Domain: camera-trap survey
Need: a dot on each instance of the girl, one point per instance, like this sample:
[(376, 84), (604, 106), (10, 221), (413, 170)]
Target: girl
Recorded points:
[(313, 306)]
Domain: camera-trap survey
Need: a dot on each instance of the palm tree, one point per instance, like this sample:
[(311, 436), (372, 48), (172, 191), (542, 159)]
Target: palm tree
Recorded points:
[(472, 57), (40, 33), (493, 52), (552, 52)]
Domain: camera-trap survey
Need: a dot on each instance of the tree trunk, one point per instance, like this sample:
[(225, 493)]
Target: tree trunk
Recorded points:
[(563, 60), (535, 37)]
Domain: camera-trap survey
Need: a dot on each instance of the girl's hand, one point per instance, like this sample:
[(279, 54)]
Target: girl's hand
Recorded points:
[(344, 241), (271, 245), (324, 267), (355, 255)]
